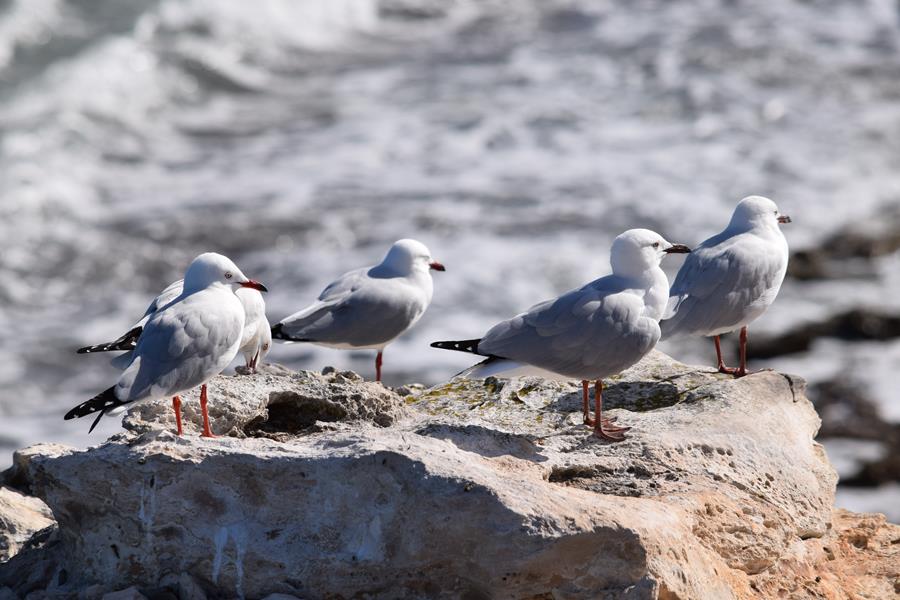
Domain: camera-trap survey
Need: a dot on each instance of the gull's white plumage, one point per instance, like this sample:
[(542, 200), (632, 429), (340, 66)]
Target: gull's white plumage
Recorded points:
[(256, 338)]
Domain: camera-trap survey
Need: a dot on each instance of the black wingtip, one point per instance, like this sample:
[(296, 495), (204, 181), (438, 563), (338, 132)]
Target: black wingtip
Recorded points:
[(100, 403), (470, 346), (96, 421), (124, 344), (278, 333)]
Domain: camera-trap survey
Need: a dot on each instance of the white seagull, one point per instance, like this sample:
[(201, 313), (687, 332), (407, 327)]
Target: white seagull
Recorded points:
[(370, 307), (257, 337), (589, 333), (183, 344), (255, 341), (729, 280)]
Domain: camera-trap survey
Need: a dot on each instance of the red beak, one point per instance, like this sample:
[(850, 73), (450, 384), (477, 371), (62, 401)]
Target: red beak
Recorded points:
[(784, 219), (436, 266), (255, 285)]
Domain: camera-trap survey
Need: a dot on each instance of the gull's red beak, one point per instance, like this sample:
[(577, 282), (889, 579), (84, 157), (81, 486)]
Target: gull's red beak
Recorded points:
[(784, 219), (436, 266), (255, 285)]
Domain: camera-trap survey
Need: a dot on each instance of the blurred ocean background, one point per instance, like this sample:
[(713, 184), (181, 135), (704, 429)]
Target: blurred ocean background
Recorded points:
[(515, 138)]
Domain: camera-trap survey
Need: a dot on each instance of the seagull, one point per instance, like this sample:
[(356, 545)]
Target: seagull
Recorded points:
[(184, 343), (255, 341), (257, 336), (589, 333), (368, 308), (730, 279)]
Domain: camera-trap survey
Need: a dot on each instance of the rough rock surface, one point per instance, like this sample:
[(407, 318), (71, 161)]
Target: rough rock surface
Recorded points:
[(21, 517), (330, 487)]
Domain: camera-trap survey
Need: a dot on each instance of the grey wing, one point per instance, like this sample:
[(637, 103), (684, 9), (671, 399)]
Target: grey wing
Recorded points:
[(716, 287), (344, 285), (172, 291), (368, 314), (585, 333), (180, 349), (330, 298)]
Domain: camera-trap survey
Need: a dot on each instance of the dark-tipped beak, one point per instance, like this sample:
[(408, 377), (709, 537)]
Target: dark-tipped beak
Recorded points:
[(677, 249), (255, 285), (436, 266), (784, 219)]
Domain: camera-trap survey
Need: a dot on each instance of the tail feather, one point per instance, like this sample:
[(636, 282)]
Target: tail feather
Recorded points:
[(278, 333), (470, 346), (101, 403), (126, 342)]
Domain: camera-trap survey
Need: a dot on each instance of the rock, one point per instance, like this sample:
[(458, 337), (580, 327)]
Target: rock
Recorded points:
[(131, 593), (854, 325), (20, 517), (858, 558), (469, 489), (276, 401)]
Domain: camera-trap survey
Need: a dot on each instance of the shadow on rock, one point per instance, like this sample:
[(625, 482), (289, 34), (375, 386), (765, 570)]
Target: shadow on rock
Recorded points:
[(484, 441)]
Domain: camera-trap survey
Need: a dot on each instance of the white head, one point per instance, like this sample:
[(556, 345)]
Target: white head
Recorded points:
[(407, 256), (755, 211), (210, 268), (637, 250)]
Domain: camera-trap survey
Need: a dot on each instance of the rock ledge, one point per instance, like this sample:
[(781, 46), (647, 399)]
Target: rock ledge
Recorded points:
[(326, 486)]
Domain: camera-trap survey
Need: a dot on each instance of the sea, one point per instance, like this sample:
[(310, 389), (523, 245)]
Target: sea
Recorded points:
[(516, 138)]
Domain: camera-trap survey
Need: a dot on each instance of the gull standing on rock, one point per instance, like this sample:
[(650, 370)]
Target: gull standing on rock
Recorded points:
[(183, 344), (590, 333), (730, 279), (370, 307)]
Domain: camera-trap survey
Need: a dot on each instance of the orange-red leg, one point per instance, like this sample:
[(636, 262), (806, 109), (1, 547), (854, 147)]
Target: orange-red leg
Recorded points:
[(378, 366), (585, 403), (742, 370), (586, 409), (602, 427), (720, 360), (176, 406), (207, 432)]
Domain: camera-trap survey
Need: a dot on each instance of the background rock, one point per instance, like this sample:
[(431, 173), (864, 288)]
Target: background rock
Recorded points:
[(470, 489)]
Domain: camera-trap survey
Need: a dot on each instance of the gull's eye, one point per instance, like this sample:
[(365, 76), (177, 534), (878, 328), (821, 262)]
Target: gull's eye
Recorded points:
[(776, 213), (656, 244), (265, 347), (228, 275)]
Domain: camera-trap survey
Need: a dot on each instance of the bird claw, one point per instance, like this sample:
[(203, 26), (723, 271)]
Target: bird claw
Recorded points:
[(736, 372), (609, 434), (615, 428)]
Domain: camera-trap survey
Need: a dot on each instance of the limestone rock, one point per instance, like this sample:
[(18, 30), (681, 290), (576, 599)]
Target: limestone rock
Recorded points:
[(20, 517), (470, 489), (275, 401)]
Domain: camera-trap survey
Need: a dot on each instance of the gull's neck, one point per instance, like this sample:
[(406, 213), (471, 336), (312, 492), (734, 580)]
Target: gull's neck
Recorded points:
[(655, 286)]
